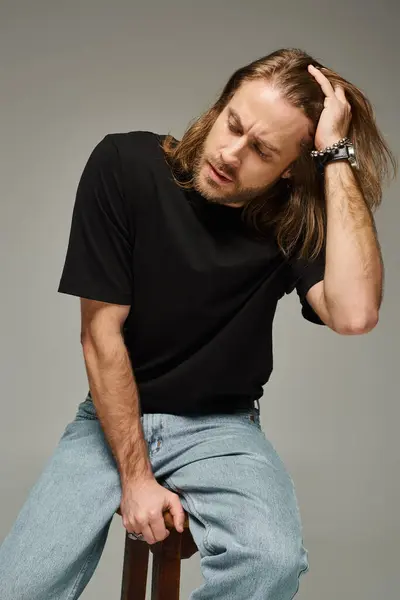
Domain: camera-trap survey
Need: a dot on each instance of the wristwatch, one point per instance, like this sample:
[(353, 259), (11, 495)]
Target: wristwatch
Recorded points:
[(346, 152)]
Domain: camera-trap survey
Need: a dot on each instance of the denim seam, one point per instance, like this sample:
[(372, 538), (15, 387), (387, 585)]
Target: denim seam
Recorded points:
[(82, 571), (298, 580), (193, 509)]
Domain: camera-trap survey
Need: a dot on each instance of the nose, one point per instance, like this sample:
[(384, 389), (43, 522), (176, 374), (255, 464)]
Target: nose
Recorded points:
[(230, 155)]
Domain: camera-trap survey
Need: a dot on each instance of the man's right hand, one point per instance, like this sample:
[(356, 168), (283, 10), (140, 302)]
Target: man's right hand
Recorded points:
[(142, 506)]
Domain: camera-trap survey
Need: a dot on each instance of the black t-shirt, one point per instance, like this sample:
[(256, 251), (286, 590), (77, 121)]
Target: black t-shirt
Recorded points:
[(202, 292)]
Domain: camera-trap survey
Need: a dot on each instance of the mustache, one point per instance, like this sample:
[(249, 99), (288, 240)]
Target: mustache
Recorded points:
[(224, 169)]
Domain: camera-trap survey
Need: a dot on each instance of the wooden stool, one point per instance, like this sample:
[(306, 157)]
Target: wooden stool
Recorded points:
[(166, 570)]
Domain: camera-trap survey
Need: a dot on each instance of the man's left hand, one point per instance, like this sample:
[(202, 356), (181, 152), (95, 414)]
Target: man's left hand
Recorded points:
[(335, 119)]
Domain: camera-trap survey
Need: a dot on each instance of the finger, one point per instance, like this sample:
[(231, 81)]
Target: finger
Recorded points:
[(157, 526), (340, 93), (148, 534), (322, 80), (143, 530), (178, 514)]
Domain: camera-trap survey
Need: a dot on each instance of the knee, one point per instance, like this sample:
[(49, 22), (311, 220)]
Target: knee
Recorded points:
[(282, 566)]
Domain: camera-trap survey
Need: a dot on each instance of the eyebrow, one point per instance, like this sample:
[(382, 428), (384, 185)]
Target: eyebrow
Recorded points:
[(271, 147)]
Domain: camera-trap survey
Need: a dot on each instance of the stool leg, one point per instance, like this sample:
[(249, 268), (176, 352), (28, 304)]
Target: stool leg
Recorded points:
[(166, 571), (134, 574)]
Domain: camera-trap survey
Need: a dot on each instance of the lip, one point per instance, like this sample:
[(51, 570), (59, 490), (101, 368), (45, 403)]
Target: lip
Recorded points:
[(219, 176)]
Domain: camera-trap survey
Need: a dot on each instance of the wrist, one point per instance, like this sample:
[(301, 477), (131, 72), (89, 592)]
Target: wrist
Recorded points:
[(136, 480), (321, 146), (135, 468), (340, 151), (337, 166)]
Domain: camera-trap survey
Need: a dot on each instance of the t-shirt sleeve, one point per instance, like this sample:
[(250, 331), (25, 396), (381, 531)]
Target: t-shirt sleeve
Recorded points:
[(98, 262), (302, 275)]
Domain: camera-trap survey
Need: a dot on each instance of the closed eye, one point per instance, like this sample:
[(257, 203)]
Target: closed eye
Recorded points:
[(235, 129), (262, 154)]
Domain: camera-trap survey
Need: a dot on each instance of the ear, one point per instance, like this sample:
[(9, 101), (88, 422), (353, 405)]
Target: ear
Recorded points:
[(286, 174)]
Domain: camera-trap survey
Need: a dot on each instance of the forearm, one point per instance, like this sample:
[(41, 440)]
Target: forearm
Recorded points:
[(354, 269), (115, 396)]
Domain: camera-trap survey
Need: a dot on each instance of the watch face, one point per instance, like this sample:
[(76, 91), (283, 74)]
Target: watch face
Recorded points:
[(352, 157)]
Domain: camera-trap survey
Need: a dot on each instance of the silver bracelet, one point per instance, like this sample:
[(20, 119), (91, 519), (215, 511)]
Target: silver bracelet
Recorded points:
[(340, 144)]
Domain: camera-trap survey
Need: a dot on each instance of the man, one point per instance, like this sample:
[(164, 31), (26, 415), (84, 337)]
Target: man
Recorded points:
[(180, 252)]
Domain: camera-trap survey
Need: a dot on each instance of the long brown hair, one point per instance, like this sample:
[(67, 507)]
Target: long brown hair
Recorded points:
[(293, 209)]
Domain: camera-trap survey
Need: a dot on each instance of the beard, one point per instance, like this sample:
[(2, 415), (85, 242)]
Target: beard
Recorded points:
[(214, 192)]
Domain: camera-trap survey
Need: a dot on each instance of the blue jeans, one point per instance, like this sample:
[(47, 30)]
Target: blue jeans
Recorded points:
[(243, 511)]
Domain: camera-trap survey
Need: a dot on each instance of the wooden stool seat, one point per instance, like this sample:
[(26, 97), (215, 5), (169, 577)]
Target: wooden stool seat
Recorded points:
[(166, 571)]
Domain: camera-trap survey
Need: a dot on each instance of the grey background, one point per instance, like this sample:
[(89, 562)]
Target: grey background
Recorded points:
[(72, 72)]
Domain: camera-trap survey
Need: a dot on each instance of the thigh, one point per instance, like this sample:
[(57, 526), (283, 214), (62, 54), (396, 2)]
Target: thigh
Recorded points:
[(58, 536), (232, 482)]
